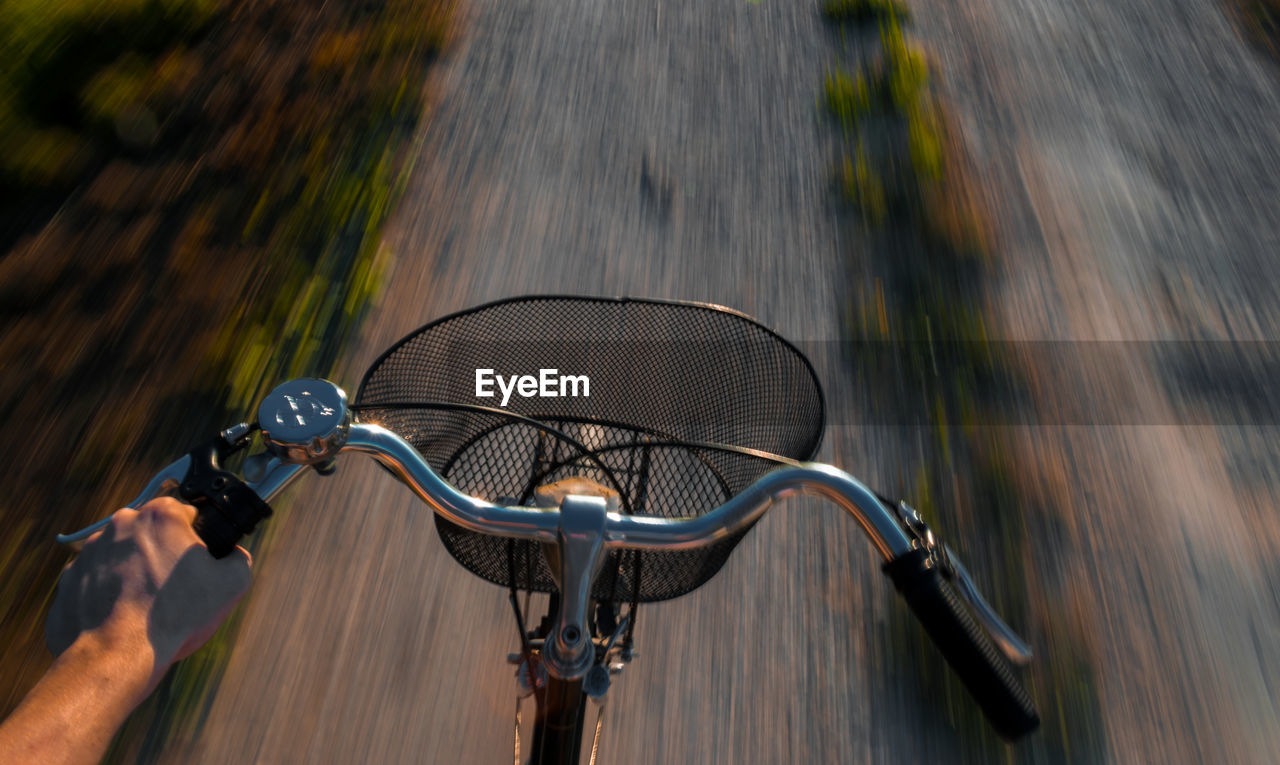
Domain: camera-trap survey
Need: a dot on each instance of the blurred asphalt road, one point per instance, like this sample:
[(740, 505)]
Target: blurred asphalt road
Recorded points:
[(675, 150), (1138, 145)]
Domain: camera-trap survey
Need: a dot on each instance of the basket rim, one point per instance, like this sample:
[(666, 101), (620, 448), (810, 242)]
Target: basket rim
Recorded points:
[(702, 305)]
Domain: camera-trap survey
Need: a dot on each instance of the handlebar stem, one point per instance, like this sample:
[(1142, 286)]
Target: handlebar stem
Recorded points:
[(569, 652)]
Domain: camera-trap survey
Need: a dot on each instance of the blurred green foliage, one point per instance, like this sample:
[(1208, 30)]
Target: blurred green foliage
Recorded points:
[(218, 175), (902, 71), (70, 70), (864, 10), (862, 185), (848, 96), (920, 170), (896, 81)]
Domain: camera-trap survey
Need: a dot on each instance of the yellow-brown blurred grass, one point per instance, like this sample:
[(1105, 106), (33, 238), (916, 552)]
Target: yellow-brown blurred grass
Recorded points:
[(919, 170), (75, 72), (194, 214), (864, 10)]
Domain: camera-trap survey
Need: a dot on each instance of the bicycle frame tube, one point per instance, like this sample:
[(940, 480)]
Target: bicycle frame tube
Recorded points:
[(558, 728)]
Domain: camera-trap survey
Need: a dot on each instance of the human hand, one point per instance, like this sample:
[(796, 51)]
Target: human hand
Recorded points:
[(143, 593), (147, 584)]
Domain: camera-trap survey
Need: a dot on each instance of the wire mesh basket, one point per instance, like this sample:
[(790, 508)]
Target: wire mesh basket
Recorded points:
[(676, 406)]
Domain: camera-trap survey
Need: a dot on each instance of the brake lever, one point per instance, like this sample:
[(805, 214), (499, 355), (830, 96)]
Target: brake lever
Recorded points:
[(1009, 642), (305, 425), (198, 478), (161, 483)]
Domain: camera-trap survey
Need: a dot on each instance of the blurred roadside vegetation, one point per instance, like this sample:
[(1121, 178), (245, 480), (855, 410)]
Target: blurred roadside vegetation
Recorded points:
[(192, 198), (75, 73), (908, 175)]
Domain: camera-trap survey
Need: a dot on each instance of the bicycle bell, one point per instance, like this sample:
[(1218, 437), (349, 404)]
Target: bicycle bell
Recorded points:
[(305, 421)]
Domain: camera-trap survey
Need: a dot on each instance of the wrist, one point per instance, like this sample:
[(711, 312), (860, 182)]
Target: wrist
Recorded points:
[(69, 717), (124, 659)]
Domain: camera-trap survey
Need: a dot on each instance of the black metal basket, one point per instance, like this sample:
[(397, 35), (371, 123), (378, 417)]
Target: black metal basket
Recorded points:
[(688, 404)]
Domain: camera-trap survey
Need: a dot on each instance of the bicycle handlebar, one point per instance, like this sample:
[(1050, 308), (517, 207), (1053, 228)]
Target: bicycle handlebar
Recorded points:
[(629, 531), (305, 423)]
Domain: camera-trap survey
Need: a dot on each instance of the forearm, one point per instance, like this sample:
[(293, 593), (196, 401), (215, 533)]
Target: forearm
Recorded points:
[(73, 712), (143, 593)]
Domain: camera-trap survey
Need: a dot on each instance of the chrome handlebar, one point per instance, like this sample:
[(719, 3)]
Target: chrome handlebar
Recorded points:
[(306, 423), (634, 532)]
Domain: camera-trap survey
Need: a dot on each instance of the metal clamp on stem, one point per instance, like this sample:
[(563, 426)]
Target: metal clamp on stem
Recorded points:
[(569, 653)]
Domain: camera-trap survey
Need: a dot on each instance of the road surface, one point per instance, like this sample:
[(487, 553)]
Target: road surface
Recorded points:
[(675, 150)]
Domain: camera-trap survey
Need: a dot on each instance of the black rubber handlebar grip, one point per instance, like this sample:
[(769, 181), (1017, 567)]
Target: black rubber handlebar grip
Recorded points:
[(218, 533), (975, 659)]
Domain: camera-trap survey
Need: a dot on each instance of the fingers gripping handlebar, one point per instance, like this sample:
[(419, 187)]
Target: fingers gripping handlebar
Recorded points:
[(306, 423), (303, 422), (226, 507)]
